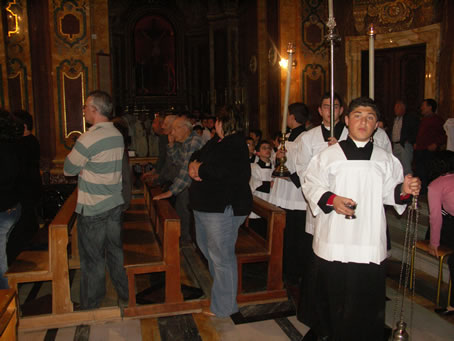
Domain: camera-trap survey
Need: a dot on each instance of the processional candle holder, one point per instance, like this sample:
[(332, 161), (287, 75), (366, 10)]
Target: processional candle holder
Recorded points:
[(281, 170), (332, 38)]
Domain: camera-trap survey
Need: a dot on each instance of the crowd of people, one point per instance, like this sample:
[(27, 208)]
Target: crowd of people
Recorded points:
[(335, 239)]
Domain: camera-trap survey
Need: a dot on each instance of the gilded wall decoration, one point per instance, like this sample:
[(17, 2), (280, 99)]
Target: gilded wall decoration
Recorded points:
[(12, 17), (70, 25), (17, 84), (386, 15), (72, 86), (314, 82), (2, 93), (313, 28), (18, 60)]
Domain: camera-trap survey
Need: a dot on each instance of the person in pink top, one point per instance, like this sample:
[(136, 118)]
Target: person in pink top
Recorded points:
[(441, 207)]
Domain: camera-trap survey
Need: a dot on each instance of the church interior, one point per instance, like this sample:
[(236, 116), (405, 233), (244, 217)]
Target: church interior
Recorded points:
[(194, 57)]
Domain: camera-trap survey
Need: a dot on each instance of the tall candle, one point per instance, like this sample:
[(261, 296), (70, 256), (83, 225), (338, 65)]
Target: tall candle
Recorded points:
[(290, 50), (371, 34), (330, 8)]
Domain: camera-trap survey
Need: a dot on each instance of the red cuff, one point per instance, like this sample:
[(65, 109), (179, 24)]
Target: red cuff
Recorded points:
[(330, 200), (404, 197)]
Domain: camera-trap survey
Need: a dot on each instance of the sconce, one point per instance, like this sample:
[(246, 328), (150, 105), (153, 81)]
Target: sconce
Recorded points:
[(283, 63)]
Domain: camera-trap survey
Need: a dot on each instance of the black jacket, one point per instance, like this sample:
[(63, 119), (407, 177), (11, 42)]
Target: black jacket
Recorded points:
[(225, 173), (410, 124)]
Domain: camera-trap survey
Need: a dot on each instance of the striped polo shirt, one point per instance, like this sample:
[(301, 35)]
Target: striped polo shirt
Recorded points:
[(97, 159)]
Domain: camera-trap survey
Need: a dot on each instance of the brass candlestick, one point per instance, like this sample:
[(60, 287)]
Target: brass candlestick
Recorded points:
[(281, 170)]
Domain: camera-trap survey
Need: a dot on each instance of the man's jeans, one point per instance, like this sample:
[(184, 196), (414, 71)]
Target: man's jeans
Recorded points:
[(100, 242), (183, 211), (8, 219), (216, 237)]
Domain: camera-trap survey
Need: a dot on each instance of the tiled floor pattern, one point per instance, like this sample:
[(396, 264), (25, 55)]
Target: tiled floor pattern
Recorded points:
[(257, 322), (425, 326)]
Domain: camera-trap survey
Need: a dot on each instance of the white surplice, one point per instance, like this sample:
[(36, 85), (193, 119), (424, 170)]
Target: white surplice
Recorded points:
[(313, 143), (258, 176), (370, 183), (284, 193)]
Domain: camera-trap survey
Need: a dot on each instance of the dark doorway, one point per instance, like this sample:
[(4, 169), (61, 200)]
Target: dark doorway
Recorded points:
[(399, 74)]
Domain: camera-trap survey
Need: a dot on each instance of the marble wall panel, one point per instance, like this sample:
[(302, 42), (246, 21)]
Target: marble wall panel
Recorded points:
[(4, 99), (429, 35), (79, 30), (18, 57)]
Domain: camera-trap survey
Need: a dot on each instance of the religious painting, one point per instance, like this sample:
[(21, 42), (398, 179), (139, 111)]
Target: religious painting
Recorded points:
[(155, 57)]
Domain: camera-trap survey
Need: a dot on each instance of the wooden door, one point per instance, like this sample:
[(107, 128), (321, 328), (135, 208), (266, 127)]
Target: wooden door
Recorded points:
[(399, 74)]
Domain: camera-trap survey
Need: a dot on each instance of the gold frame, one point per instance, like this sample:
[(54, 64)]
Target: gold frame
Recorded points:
[(81, 76), (21, 82)]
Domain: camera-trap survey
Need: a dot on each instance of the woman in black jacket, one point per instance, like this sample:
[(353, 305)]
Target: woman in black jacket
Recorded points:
[(221, 199)]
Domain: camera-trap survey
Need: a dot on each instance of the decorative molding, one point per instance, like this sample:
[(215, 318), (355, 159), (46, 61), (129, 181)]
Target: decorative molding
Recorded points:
[(70, 24), (72, 77), (386, 15), (313, 72), (253, 64), (313, 24), (429, 35), (2, 92), (12, 18), (16, 68)]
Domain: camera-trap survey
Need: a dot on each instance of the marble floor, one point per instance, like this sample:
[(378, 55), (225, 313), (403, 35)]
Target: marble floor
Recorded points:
[(272, 321)]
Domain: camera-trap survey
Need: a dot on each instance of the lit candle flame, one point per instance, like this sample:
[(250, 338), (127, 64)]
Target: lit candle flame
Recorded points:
[(283, 63)]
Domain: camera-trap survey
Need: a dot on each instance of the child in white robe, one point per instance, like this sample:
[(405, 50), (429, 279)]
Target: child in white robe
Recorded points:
[(261, 183)]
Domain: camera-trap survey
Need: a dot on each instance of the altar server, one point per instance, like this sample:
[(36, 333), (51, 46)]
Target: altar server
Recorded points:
[(287, 194), (349, 253)]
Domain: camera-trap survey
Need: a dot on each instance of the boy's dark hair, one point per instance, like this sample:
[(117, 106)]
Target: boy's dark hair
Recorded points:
[(432, 103), (231, 119), (364, 102), (299, 111), (197, 127), (261, 143), (10, 129), (25, 118), (247, 138), (257, 133), (328, 95)]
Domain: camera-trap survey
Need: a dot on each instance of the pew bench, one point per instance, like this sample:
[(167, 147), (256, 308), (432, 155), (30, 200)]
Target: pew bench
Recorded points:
[(443, 253), (8, 315), (253, 248), (51, 264), (151, 244)]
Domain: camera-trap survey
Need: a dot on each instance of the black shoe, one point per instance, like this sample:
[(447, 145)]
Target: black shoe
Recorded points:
[(310, 336), (444, 312)]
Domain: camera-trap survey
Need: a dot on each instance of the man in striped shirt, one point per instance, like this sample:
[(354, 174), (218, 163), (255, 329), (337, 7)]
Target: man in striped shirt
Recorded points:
[(97, 159)]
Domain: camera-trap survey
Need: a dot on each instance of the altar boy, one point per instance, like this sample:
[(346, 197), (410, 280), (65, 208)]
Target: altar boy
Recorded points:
[(261, 182), (349, 253)]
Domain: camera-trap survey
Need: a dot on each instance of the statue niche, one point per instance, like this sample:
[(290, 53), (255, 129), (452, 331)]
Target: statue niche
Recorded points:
[(154, 62)]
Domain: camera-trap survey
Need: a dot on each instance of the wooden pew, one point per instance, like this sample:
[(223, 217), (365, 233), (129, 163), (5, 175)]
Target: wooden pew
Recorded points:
[(52, 264), (253, 248), (151, 244), (8, 315)]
